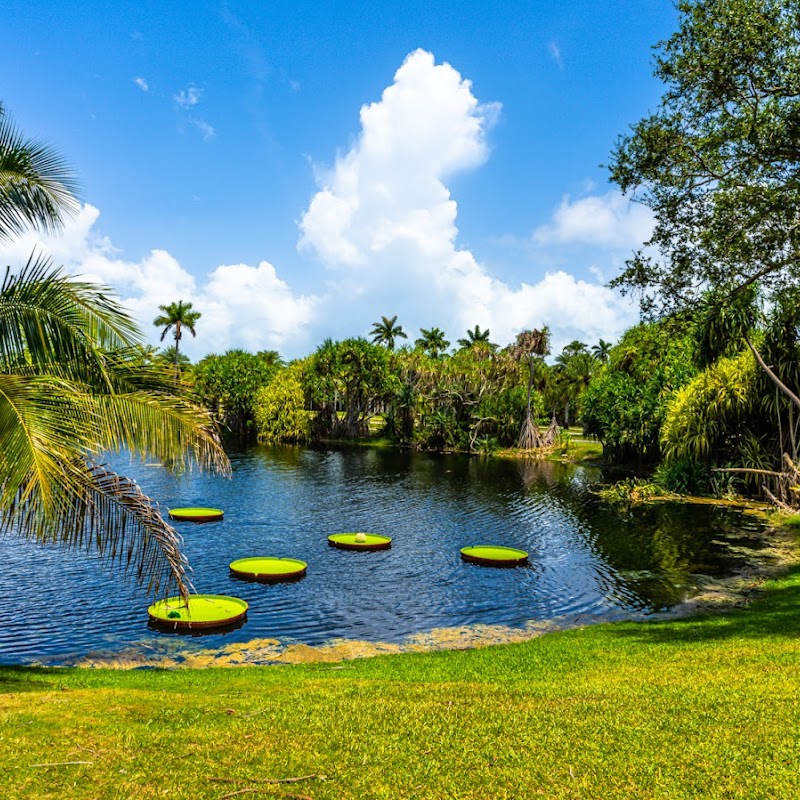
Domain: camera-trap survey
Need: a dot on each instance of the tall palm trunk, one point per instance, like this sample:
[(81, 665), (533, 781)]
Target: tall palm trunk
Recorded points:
[(177, 356)]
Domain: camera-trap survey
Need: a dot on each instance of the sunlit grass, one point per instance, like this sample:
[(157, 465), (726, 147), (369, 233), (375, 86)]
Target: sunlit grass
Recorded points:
[(705, 707)]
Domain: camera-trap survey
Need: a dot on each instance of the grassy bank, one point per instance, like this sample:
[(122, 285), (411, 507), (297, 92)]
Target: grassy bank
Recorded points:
[(702, 707)]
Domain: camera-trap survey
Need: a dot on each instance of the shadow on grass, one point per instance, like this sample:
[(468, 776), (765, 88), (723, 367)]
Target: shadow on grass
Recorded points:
[(28, 679), (776, 615)]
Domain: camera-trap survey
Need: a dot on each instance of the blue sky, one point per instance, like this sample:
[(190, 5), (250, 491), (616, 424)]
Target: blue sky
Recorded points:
[(297, 170)]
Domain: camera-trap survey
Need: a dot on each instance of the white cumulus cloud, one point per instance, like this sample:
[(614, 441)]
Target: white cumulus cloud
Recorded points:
[(610, 220), (384, 218), (142, 84), (383, 224), (242, 305)]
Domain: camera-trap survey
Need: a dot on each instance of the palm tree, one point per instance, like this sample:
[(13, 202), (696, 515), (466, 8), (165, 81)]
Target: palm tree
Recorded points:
[(72, 388), (573, 371), (168, 356), (177, 316), (476, 337), (386, 331), (531, 346), (75, 383), (271, 357), (432, 342), (36, 185), (601, 351)]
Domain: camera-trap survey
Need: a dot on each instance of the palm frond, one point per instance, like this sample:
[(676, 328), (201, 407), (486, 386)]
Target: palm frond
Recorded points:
[(37, 187), (99, 511), (52, 319), (163, 427)]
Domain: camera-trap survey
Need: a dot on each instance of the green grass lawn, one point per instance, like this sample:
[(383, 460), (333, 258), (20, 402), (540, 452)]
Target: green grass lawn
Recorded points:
[(706, 707)]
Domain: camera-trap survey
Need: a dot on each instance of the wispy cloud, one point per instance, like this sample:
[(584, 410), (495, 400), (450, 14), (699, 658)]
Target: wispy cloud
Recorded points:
[(142, 84), (204, 128), (555, 52), (188, 97)]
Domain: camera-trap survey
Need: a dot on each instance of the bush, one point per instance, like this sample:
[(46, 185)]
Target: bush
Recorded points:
[(280, 412)]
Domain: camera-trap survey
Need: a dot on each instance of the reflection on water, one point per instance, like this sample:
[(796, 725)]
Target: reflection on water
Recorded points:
[(586, 560)]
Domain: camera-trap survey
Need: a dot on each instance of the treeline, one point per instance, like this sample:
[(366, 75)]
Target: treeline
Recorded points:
[(476, 398), (682, 398)]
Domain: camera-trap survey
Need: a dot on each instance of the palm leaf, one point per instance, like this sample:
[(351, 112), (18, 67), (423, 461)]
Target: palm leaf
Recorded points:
[(37, 187)]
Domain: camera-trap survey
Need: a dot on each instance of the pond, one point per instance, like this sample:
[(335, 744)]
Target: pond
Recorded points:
[(587, 562)]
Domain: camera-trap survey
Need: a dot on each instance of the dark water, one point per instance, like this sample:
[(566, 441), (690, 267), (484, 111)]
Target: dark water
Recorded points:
[(585, 558)]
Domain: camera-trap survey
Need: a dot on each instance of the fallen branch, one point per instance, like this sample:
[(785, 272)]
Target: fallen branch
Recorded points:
[(750, 471), (775, 500), (62, 764)]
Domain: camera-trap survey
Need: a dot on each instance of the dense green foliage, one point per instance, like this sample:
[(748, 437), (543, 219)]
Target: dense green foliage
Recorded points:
[(352, 376), (718, 160), (718, 163), (474, 399), (673, 710), (626, 402), (280, 408), (228, 384)]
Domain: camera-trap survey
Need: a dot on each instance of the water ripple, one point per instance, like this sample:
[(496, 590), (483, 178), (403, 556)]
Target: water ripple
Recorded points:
[(586, 560)]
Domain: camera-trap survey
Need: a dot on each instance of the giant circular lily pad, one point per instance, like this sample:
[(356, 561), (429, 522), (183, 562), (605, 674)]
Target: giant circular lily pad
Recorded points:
[(268, 569), (360, 541), (196, 514), (494, 555), (203, 611)]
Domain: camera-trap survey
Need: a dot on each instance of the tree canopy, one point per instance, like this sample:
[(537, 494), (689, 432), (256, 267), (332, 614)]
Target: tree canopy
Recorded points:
[(719, 161)]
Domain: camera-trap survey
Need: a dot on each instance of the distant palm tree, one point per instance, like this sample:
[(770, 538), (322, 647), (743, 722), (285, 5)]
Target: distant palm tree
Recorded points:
[(602, 350), (531, 346), (432, 342), (168, 356), (385, 332), (476, 337), (36, 186), (271, 357), (176, 316)]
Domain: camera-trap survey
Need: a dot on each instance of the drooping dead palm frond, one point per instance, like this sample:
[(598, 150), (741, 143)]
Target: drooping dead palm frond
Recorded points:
[(99, 511)]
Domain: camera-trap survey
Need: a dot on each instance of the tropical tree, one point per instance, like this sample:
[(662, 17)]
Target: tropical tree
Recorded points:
[(72, 388), (571, 375), (625, 404), (355, 373), (176, 317), (280, 408), (530, 348), (229, 383), (477, 338), (717, 162), (169, 355), (432, 342), (387, 331), (37, 187)]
